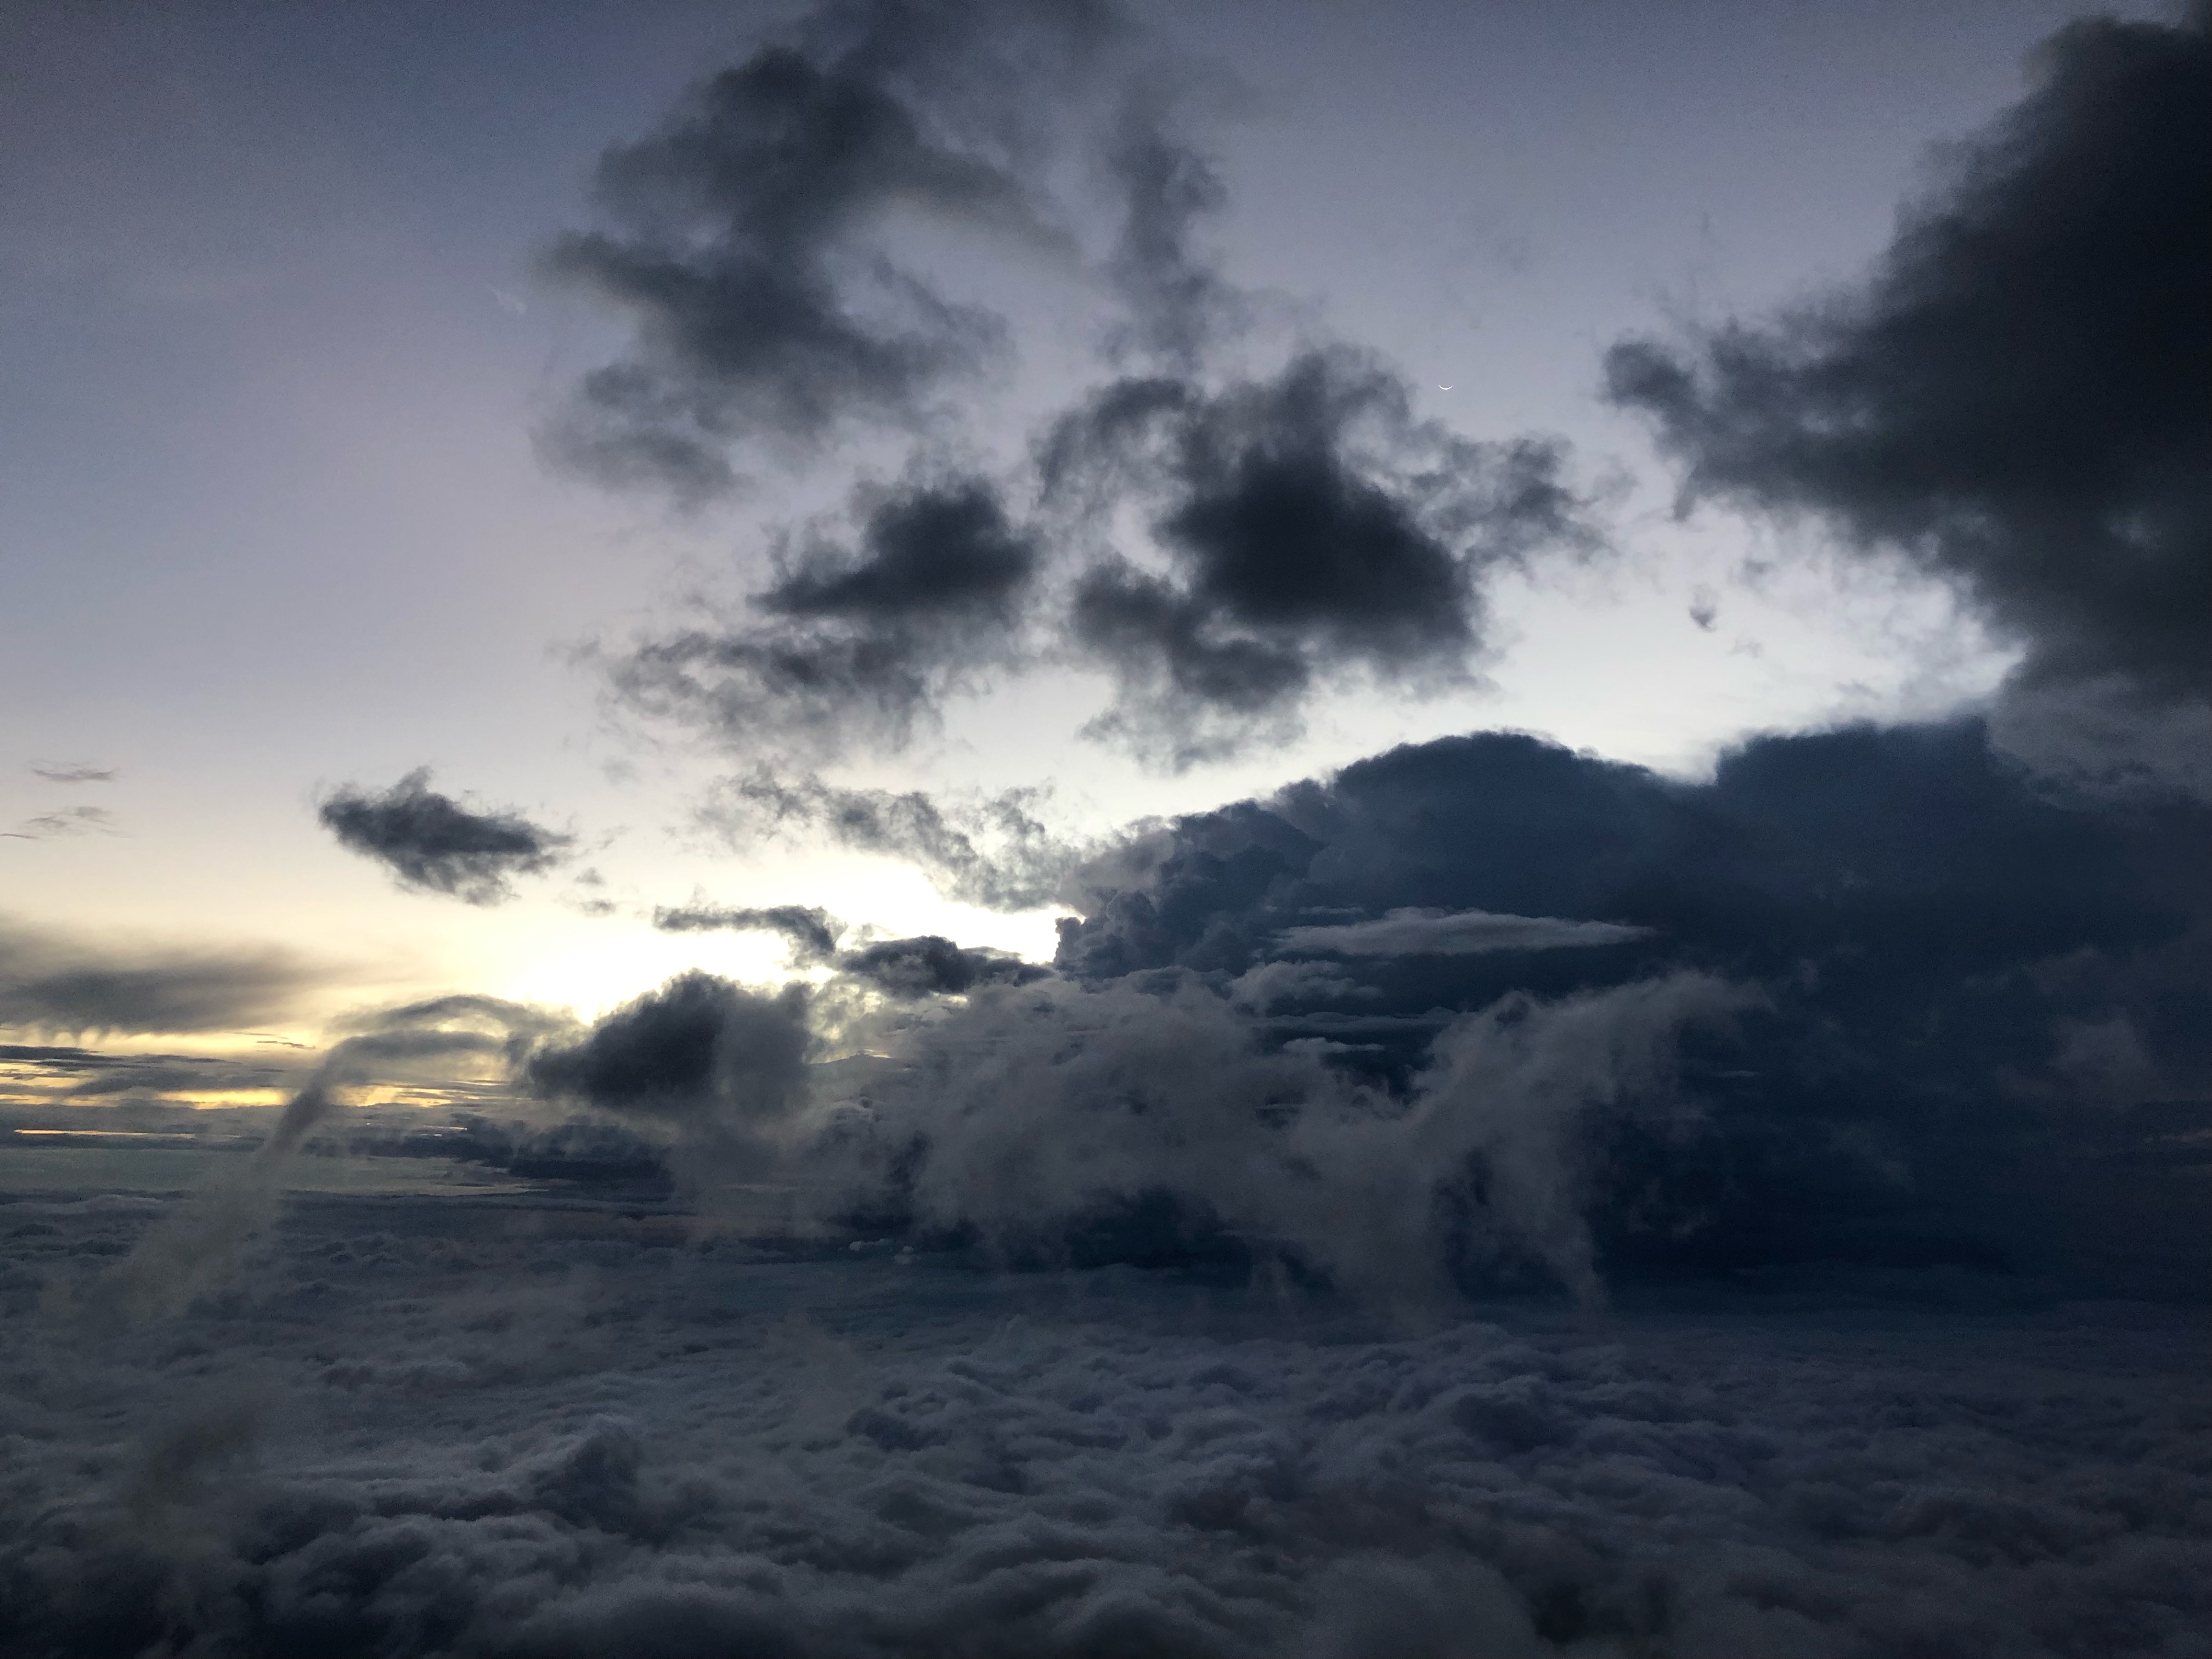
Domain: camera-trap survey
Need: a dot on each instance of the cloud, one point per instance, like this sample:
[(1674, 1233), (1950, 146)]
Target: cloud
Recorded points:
[(1299, 527), (197, 1245), (1179, 304), (1310, 526), (1415, 932), (2016, 398), (745, 237), (854, 651), (582, 1436), (1962, 973), (70, 821), (45, 1084), (698, 1050), (75, 772), (811, 932), (1063, 1122), (52, 982), (993, 852), (933, 966), (432, 844), (1273, 984)]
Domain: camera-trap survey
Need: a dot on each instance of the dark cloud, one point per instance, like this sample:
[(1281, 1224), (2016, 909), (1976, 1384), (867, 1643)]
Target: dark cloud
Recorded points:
[(854, 649), (434, 844), (811, 932), (744, 239), (70, 821), (52, 983), (994, 852), (2019, 397), (697, 1048), (1311, 526), (933, 966), (1964, 984), (72, 772), (1414, 931)]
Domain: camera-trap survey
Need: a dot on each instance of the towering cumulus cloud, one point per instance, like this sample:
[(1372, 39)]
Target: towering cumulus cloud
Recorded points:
[(1484, 1012), (1972, 1009), (432, 844), (2019, 397)]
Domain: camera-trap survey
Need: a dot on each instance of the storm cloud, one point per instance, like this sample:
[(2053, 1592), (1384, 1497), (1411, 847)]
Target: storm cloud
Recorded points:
[(1967, 994), (432, 844), (1310, 526), (1488, 1199), (2017, 397)]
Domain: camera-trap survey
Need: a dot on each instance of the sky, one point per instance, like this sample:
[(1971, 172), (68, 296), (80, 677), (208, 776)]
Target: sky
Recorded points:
[(278, 518), (1068, 826)]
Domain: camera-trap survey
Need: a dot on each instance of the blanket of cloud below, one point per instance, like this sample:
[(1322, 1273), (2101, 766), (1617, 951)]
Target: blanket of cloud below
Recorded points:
[(528, 1424)]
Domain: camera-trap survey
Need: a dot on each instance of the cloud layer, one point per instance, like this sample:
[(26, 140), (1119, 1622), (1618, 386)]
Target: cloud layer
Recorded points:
[(456, 1427), (49, 982)]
